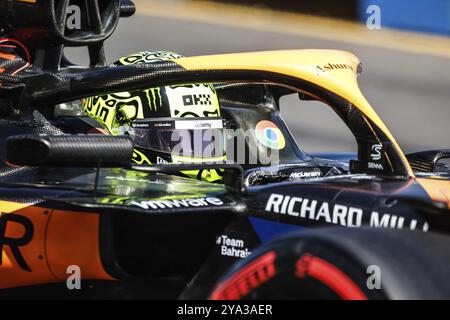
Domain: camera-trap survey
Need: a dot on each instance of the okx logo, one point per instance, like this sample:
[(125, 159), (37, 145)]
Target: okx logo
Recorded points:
[(13, 242)]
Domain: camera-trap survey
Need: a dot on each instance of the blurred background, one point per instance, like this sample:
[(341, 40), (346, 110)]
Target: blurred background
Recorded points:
[(404, 47)]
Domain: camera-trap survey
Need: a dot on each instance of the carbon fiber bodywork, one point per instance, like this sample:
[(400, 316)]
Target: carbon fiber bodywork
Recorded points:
[(182, 234), (162, 229), (137, 231)]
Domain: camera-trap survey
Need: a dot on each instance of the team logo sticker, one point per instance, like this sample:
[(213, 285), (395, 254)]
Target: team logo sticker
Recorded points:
[(269, 135)]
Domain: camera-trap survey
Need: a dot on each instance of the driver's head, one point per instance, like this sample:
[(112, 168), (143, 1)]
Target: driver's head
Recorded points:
[(170, 124)]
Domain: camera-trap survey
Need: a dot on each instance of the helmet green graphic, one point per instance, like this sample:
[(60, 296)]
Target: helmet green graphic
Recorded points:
[(170, 124)]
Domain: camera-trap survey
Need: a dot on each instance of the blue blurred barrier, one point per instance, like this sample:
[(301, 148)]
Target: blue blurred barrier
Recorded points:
[(432, 16)]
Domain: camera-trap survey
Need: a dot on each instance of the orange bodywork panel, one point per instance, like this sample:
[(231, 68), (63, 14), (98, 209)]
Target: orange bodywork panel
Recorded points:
[(38, 245), (438, 190), (334, 70)]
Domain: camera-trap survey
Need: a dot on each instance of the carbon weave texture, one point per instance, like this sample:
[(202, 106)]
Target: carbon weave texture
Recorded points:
[(70, 150)]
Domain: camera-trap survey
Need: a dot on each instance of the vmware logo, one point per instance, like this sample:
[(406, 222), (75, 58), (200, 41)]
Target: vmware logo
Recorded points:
[(182, 203)]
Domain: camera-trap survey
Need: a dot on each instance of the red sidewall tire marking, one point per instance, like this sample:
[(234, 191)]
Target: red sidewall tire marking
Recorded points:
[(246, 279), (330, 275)]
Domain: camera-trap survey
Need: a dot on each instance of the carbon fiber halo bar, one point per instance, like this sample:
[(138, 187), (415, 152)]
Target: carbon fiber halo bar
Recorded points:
[(55, 88)]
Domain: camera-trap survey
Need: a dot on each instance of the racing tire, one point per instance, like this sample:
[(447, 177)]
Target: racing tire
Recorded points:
[(348, 264)]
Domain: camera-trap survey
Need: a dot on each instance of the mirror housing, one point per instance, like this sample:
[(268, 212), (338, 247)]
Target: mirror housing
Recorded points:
[(69, 150)]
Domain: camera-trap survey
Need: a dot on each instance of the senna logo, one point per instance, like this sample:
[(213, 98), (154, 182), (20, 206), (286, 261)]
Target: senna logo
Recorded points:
[(183, 203), (14, 243), (334, 66), (376, 152), (376, 155)]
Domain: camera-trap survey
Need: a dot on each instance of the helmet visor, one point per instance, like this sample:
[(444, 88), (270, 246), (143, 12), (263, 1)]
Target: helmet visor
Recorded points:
[(199, 137)]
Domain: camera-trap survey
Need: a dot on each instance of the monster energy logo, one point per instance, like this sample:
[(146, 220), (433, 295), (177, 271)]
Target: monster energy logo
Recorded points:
[(154, 98)]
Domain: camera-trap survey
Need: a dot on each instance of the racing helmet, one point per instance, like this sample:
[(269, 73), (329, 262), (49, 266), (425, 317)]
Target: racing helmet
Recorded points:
[(169, 124)]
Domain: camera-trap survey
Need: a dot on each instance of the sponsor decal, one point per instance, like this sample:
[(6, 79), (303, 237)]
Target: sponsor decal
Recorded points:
[(163, 125), (334, 66), (148, 56), (376, 155), (15, 243), (193, 100), (198, 124), (247, 279), (376, 152), (197, 99), (231, 247), (179, 203), (160, 160), (304, 174), (375, 166), (338, 214), (139, 124), (269, 135)]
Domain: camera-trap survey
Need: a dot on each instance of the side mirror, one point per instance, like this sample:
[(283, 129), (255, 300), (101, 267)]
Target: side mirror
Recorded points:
[(69, 150)]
